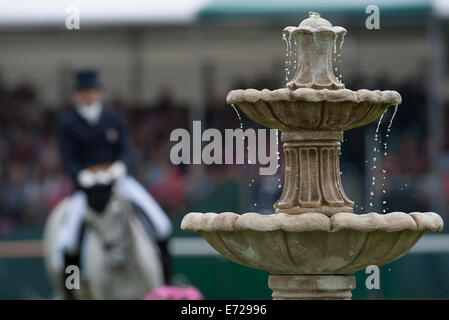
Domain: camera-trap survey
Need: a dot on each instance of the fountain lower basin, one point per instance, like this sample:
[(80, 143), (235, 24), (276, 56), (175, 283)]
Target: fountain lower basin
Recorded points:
[(312, 243)]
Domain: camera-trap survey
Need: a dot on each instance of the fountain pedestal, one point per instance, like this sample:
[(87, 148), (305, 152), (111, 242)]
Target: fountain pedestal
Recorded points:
[(311, 287), (312, 174)]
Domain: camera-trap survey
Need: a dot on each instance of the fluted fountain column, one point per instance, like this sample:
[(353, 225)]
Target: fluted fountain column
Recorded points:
[(312, 174)]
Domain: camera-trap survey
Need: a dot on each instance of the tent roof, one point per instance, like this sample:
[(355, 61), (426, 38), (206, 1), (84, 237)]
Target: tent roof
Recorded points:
[(441, 8), (229, 9), (52, 13)]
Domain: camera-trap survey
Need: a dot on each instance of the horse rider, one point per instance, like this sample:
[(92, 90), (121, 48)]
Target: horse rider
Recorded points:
[(91, 135)]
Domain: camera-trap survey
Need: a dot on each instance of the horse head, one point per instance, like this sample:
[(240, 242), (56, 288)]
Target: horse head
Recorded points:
[(109, 217)]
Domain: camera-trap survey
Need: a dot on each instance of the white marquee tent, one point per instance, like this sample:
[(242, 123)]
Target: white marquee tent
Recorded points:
[(53, 13)]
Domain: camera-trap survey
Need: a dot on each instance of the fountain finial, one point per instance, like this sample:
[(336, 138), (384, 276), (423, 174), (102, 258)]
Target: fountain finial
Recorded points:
[(316, 39), (315, 20)]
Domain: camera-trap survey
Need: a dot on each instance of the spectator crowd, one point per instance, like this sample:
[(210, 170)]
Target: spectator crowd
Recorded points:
[(32, 179)]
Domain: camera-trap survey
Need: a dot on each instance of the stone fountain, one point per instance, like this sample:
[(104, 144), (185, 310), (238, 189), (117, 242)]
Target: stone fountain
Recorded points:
[(314, 241)]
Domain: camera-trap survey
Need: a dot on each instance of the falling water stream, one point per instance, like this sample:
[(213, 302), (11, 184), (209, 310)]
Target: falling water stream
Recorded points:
[(238, 115), (338, 58), (287, 56), (384, 177), (290, 57), (376, 150), (335, 54), (243, 137), (337, 62)]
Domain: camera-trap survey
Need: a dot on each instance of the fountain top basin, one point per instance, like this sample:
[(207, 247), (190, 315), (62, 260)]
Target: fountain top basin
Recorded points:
[(311, 95), (311, 109)]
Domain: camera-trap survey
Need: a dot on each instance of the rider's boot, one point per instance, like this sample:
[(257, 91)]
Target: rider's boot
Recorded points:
[(73, 258), (166, 260)]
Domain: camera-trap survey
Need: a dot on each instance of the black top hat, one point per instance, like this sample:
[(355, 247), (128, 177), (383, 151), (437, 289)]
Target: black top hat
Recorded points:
[(87, 79)]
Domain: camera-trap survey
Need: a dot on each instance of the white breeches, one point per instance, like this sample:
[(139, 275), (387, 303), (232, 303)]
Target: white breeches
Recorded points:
[(129, 188)]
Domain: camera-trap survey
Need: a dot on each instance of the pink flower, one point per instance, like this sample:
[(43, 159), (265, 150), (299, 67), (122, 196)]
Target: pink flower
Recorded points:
[(175, 293)]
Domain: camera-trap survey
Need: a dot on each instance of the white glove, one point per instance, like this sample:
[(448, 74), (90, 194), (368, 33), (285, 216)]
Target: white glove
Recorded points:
[(117, 170), (86, 178)]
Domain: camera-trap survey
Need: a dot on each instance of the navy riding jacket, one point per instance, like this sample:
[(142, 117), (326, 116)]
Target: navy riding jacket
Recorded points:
[(82, 145)]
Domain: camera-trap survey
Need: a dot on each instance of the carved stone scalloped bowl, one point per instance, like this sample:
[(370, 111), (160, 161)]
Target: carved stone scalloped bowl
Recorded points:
[(312, 243), (310, 109)]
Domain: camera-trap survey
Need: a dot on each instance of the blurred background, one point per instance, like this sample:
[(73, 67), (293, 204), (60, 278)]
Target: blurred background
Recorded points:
[(166, 64)]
